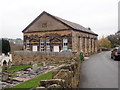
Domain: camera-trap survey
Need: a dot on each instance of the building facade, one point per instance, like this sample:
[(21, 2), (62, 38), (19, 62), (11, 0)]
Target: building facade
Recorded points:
[(48, 33)]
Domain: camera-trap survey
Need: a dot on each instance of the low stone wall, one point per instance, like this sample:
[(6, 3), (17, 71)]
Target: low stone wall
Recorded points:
[(22, 58), (67, 76), (31, 59)]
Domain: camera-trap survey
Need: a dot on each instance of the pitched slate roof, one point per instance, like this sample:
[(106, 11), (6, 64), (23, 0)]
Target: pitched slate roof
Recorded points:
[(72, 25)]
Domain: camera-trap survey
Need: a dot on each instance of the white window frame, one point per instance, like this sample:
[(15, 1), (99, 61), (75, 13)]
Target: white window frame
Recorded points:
[(27, 45), (65, 44), (48, 45), (42, 45)]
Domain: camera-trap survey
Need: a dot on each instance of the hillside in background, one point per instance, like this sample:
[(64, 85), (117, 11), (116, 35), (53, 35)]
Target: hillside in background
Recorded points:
[(15, 44)]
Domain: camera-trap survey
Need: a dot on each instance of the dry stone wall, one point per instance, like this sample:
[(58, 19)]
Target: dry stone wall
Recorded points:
[(22, 58), (67, 76)]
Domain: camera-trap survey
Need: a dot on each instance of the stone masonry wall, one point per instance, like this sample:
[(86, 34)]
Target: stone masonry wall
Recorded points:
[(84, 42), (21, 59), (67, 76)]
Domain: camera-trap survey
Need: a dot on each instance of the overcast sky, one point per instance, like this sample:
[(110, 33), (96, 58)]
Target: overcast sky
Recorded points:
[(100, 15)]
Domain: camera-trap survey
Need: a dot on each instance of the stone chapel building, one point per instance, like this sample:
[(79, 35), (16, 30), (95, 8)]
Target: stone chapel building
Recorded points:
[(48, 33)]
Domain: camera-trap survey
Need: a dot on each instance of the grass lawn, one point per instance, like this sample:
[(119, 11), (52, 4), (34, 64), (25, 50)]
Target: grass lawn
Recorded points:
[(33, 83), (19, 67)]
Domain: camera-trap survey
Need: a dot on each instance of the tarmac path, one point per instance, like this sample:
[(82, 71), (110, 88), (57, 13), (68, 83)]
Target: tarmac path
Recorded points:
[(99, 71)]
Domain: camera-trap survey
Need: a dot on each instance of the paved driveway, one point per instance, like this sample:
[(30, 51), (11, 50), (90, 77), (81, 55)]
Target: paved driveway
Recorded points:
[(99, 71)]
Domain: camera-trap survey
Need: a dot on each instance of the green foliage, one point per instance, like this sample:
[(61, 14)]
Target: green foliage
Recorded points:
[(33, 83), (5, 46)]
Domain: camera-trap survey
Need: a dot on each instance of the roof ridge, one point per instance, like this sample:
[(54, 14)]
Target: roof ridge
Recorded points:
[(70, 24), (70, 21), (75, 24)]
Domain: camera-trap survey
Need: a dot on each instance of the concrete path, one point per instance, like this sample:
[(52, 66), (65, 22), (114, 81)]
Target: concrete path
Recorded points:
[(99, 71)]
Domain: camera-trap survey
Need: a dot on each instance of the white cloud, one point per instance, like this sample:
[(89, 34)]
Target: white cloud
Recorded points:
[(100, 15)]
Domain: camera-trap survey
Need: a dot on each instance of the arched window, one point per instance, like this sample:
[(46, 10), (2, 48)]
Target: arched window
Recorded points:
[(4, 62)]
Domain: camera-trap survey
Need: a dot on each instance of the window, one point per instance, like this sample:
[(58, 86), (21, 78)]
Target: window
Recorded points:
[(42, 45), (27, 45), (48, 45), (44, 25), (65, 44)]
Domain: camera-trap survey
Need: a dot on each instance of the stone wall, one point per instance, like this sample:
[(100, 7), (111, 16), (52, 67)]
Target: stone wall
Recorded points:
[(67, 76), (70, 73), (77, 41), (31, 58), (84, 42), (47, 28), (56, 39)]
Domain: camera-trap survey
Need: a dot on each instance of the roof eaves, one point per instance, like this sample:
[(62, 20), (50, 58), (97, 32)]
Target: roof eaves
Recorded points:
[(85, 32)]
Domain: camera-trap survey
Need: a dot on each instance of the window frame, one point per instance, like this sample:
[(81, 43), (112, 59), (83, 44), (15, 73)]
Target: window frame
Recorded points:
[(44, 25), (27, 44), (42, 43), (65, 44), (48, 45)]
